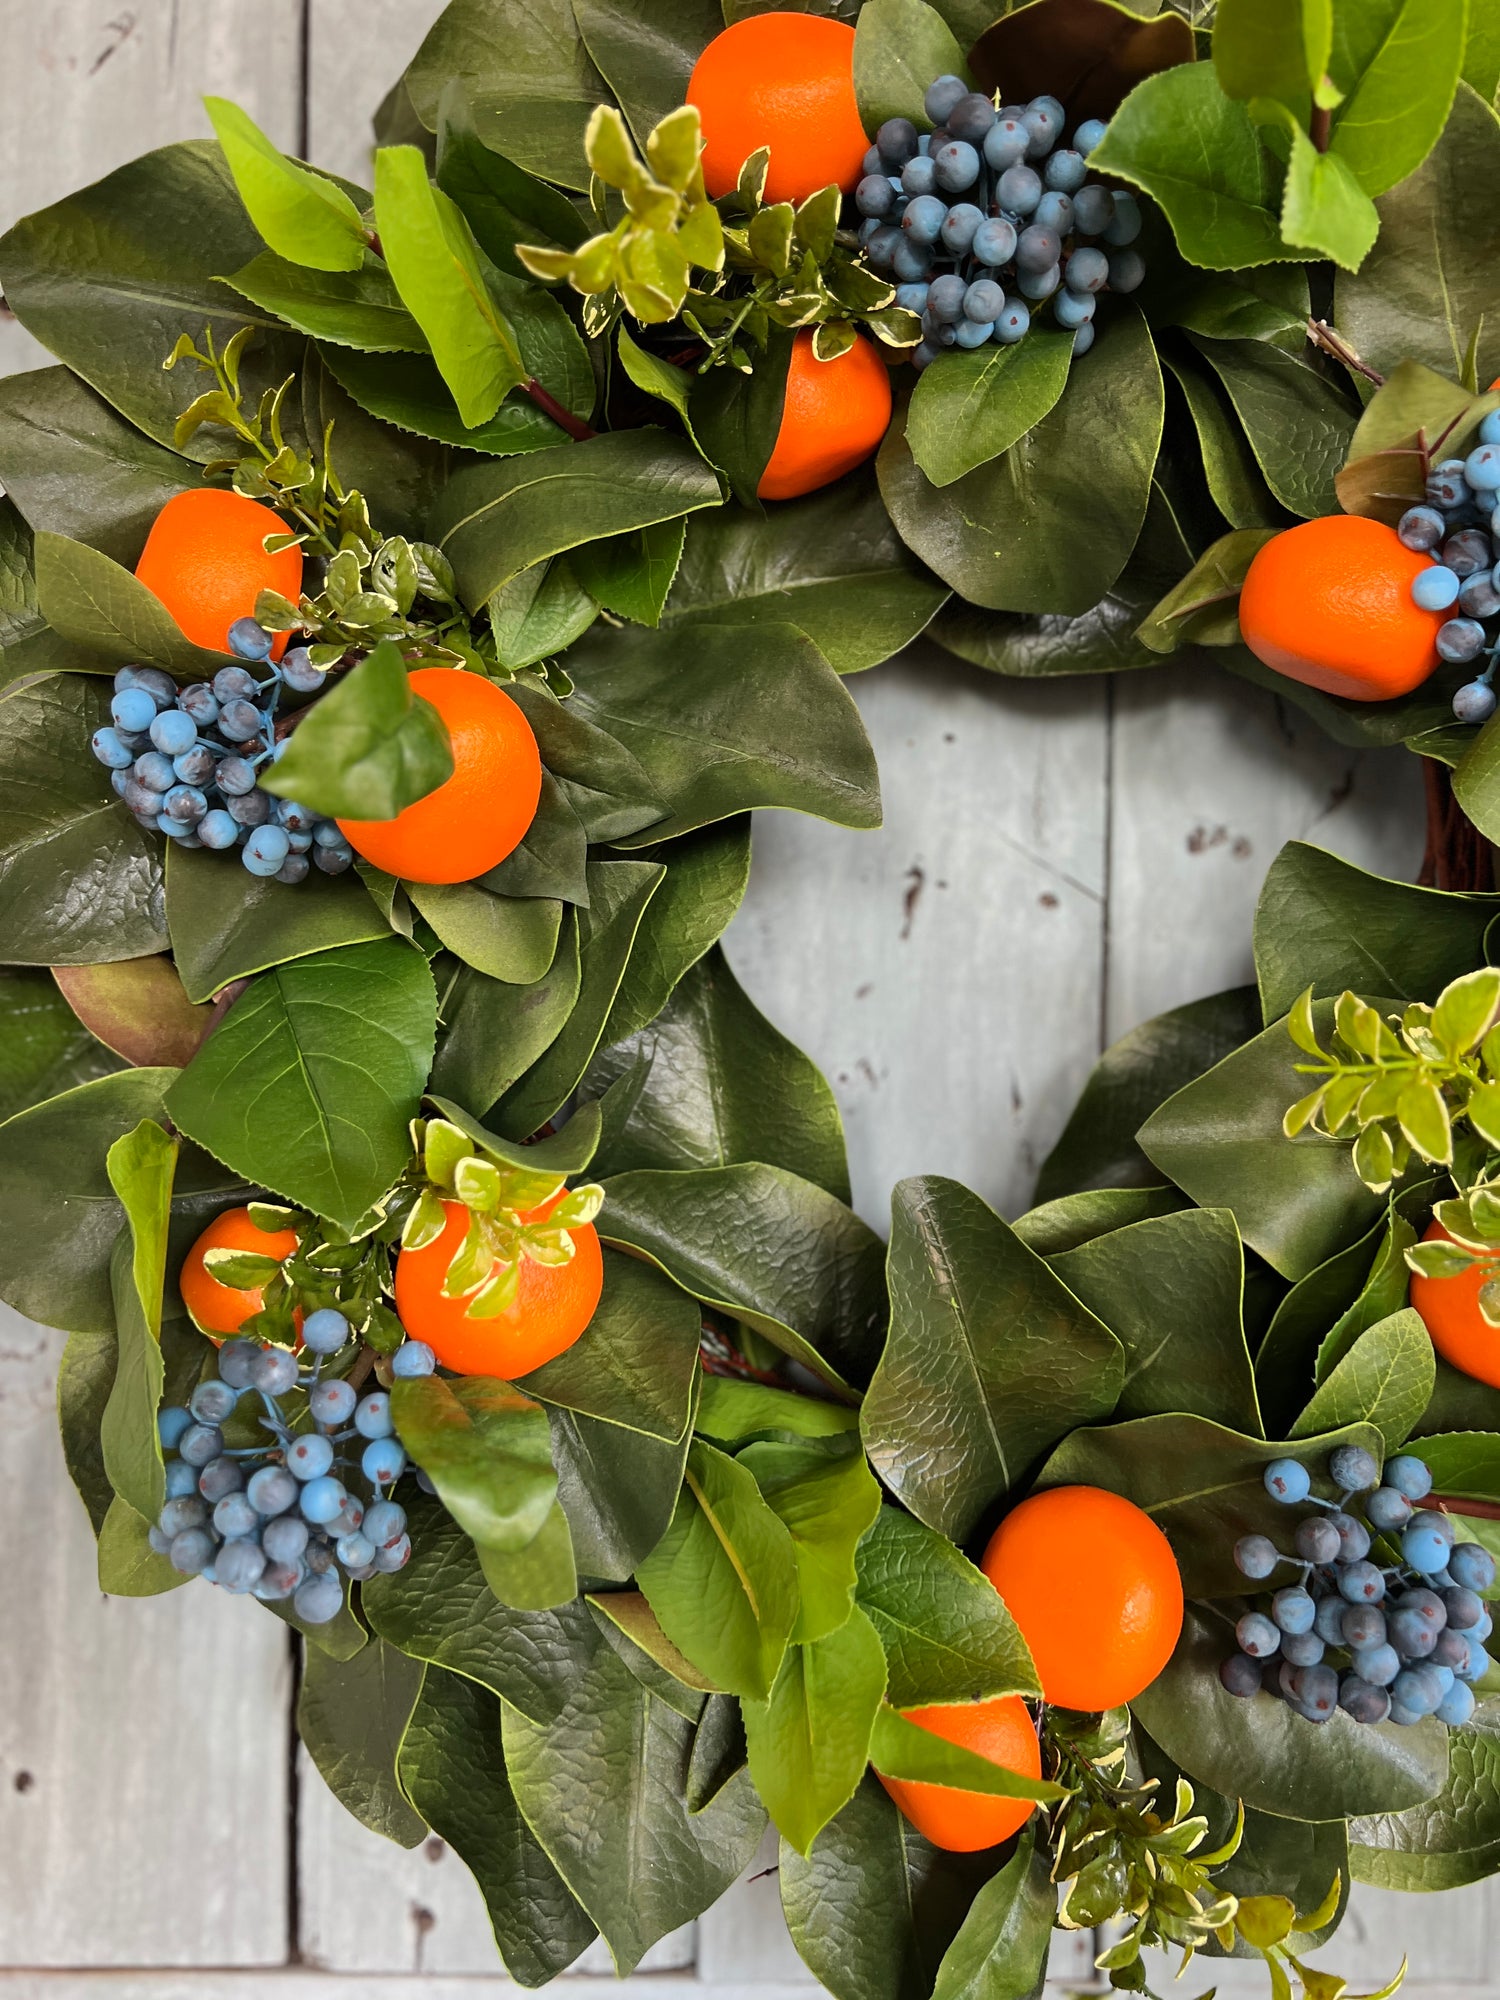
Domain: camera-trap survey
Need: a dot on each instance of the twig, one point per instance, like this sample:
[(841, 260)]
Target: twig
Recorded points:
[(1318, 126), (575, 427), (1478, 1510), (1322, 335), (224, 999), (363, 1364)]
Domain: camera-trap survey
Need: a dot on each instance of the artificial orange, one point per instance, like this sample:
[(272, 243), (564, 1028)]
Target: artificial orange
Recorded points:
[(1329, 603), (1093, 1584), (1449, 1309), (480, 814), (206, 559), (834, 416), (223, 1309), (785, 81), (1000, 1730), (552, 1306)]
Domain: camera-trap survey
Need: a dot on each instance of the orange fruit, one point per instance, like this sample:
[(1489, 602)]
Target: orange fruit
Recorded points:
[(480, 814), (785, 81), (1094, 1586), (1449, 1309), (223, 1309), (552, 1306), (1002, 1731), (1329, 603), (206, 559), (834, 416)]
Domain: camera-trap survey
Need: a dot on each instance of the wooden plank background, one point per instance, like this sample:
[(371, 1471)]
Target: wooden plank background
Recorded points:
[(1059, 861)]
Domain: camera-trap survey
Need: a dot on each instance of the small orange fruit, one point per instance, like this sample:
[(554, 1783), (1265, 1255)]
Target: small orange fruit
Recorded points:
[(480, 814), (206, 559), (1329, 603), (1093, 1584), (834, 416), (1449, 1309), (552, 1306), (1000, 1730), (223, 1309), (785, 81)]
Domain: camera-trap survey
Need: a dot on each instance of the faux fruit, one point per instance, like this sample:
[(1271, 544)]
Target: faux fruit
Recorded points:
[(1455, 528), (834, 416), (553, 1303), (1449, 1309), (785, 81), (1329, 603), (206, 559), (223, 1309), (1102, 1624), (482, 812), (962, 1822)]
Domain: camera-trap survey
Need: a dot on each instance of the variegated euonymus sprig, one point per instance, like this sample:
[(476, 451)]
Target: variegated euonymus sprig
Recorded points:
[(502, 1198), (349, 1269), (727, 271)]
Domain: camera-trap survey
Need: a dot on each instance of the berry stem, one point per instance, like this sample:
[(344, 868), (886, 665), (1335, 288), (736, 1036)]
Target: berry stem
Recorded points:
[(1448, 1503), (575, 427)]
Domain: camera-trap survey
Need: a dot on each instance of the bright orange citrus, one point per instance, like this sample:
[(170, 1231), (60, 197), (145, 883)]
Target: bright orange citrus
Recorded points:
[(1093, 1584), (206, 559), (1449, 1309), (834, 416), (552, 1306), (223, 1309), (961, 1822), (480, 814), (1329, 603), (785, 81)]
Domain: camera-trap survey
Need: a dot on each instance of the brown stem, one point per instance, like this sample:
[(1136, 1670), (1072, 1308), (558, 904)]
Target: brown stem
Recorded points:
[(1457, 854), (359, 1373), (1322, 335), (224, 999), (575, 427), (1318, 127), (1477, 1510)]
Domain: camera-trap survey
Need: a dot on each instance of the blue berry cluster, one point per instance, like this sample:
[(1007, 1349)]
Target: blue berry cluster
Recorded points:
[(184, 759), (1384, 1641), (990, 205), (1457, 526), (278, 1519)]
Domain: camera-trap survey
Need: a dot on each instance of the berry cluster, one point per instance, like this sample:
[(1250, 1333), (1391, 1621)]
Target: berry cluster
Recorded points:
[(277, 1518), (1456, 526), (988, 205), (185, 759), (1383, 1641)]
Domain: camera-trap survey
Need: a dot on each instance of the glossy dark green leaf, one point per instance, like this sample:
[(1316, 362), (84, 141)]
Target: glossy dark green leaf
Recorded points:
[(947, 1635), (636, 1362), (227, 924), (647, 57), (1170, 1291), (989, 1361), (308, 1083), (44, 1048), (566, 1151), (618, 1489), (899, 47), (453, 1766), (810, 1739), (1235, 480), (350, 308), (140, 1165), (1072, 1219), (85, 1378), (552, 859), (492, 1032), (632, 574), (706, 875), (767, 1248), (512, 938), (736, 418), (1385, 1379), (28, 646), (831, 564), (504, 205), (710, 1083), (983, 400), (351, 1717), (1450, 1839), (80, 882), (407, 391), (1001, 1951), (96, 605), (1203, 1485), (1259, 1751), (369, 748), (603, 781), (1298, 424)]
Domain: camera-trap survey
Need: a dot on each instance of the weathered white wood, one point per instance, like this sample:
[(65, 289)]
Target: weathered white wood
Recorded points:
[(300, 1984), (355, 51)]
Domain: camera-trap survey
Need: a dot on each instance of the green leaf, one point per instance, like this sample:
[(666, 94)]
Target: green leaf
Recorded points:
[(302, 215), (618, 1489), (1424, 292), (983, 400), (947, 1635), (631, 574), (494, 520), (710, 1083), (453, 1768), (1001, 1951), (825, 1493), (732, 1411), (899, 47), (502, 203), (552, 859), (1235, 481), (629, 1623), (723, 1579), (352, 308), (435, 263), (706, 876), (1203, 1485), (831, 564), (44, 1048), (1482, 54), (1476, 781), (369, 748), (1323, 206), (636, 1362), (227, 924), (736, 418), (513, 938), (351, 1716), (485, 1448), (902, 1749), (1170, 1291), (128, 1565), (989, 1360), (93, 603), (493, 1032), (602, 780), (407, 391), (140, 1166), (1397, 63), (1271, 48), (1203, 609), (655, 376), (1074, 1219), (565, 1152), (274, 1092), (1385, 1379), (28, 645), (540, 1575), (766, 1248), (1258, 1750), (136, 1007), (1299, 425), (1449, 1840), (648, 59), (808, 1741)]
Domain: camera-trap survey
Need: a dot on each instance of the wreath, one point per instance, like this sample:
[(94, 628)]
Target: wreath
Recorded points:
[(408, 596)]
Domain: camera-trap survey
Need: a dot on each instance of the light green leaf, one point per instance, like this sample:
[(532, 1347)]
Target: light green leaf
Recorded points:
[(982, 400), (1397, 63), (141, 1166), (485, 1448), (825, 1493), (809, 1740), (1386, 1379), (302, 215), (1271, 48), (902, 1749), (1323, 206), (128, 1565), (369, 748), (94, 603)]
